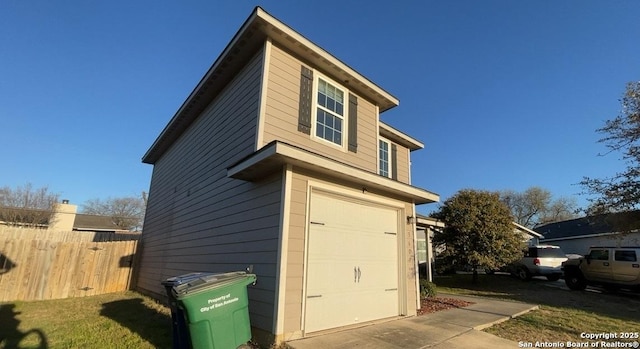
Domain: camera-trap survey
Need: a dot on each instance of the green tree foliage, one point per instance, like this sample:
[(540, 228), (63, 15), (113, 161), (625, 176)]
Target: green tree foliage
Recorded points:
[(126, 212), (620, 192), (478, 231), (535, 206)]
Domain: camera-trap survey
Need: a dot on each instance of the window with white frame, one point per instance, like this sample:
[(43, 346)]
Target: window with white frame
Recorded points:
[(384, 151), (330, 112)]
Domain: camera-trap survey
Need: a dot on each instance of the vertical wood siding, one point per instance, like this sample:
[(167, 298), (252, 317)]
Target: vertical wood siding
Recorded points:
[(198, 219), (38, 265), (281, 116)]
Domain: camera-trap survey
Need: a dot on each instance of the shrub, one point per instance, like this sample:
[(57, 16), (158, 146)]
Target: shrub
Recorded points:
[(427, 289)]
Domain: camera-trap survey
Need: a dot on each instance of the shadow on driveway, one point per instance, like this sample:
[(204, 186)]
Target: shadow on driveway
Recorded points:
[(148, 323)]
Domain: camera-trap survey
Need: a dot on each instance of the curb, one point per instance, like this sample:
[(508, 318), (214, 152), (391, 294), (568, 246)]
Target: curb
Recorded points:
[(506, 318)]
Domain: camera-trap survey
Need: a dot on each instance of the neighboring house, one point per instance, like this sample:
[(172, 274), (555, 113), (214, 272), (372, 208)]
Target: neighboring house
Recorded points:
[(529, 236), (65, 218), (575, 236), (427, 226), (278, 159)]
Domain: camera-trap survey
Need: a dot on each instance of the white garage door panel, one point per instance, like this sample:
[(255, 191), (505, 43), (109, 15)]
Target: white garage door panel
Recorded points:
[(352, 269)]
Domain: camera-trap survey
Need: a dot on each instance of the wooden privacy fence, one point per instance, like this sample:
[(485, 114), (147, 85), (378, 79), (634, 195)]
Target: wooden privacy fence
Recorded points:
[(37, 265)]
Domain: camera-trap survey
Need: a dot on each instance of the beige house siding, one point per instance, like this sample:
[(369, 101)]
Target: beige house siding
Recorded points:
[(402, 158), (198, 219), (410, 255), (296, 250), (295, 258), (281, 115)]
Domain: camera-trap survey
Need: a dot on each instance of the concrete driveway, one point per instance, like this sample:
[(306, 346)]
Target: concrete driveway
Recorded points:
[(448, 329)]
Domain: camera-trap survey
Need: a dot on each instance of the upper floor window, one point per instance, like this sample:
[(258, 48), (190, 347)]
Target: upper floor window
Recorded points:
[(327, 111), (384, 150), (330, 114)]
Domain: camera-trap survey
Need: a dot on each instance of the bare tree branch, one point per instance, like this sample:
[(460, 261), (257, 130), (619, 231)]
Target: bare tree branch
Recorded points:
[(26, 205), (621, 191), (125, 212)]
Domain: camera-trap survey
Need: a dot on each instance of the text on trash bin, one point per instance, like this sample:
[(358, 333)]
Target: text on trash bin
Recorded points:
[(218, 302)]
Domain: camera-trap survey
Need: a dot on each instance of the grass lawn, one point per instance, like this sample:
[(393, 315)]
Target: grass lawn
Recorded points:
[(563, 314), (130, 320), (115, 320)]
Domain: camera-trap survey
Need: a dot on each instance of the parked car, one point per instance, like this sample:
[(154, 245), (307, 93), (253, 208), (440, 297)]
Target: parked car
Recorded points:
[(540, 260), (611, 267)]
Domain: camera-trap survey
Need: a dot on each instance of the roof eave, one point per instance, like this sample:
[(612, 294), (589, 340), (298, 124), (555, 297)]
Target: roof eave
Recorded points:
[(399, 137), (244, 43), (527, 230), (273, 156)]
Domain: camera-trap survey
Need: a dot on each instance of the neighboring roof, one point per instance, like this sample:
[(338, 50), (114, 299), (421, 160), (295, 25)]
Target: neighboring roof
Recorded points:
[(526, 230), (275, 154), (429, 221), (249, 39), (591, 225), (94, 223), (399, 137), (424, 221), (81, 221)]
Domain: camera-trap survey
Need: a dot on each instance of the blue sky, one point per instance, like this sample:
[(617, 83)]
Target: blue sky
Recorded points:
[(504, 94)]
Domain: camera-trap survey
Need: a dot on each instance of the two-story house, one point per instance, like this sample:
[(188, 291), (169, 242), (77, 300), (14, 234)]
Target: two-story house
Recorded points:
[(278, 159)]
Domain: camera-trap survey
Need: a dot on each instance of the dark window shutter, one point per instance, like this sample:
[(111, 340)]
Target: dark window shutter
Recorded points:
[(353, 123), (394, 162), (304, 111)]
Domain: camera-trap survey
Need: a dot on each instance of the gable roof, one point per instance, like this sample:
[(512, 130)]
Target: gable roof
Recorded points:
[(591, 225), (249, 39)]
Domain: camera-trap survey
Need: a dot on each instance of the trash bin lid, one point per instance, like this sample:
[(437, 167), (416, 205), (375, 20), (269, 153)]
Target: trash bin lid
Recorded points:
[(195, 282), (182, 279)]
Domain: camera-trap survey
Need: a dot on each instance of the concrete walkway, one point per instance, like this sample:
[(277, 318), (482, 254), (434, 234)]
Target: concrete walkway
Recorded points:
[(448, 329)]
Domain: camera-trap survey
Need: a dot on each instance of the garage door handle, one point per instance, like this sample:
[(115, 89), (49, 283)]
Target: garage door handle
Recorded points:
[(317, 223), (390, 289), (358, 274), (315, 296), (606, 264)]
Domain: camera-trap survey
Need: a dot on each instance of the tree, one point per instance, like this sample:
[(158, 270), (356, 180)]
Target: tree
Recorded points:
[(26, 205), (535, 206), (478, 231), (560, 209), (126, 212), (620, 192)]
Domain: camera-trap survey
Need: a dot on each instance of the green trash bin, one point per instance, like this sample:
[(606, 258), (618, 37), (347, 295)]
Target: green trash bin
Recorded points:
[(216, 309)]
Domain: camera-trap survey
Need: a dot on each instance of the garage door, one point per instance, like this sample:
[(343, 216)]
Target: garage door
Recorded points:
[(352, 262)]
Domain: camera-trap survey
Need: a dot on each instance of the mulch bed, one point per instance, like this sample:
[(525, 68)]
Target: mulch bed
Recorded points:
[(431, 305)]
